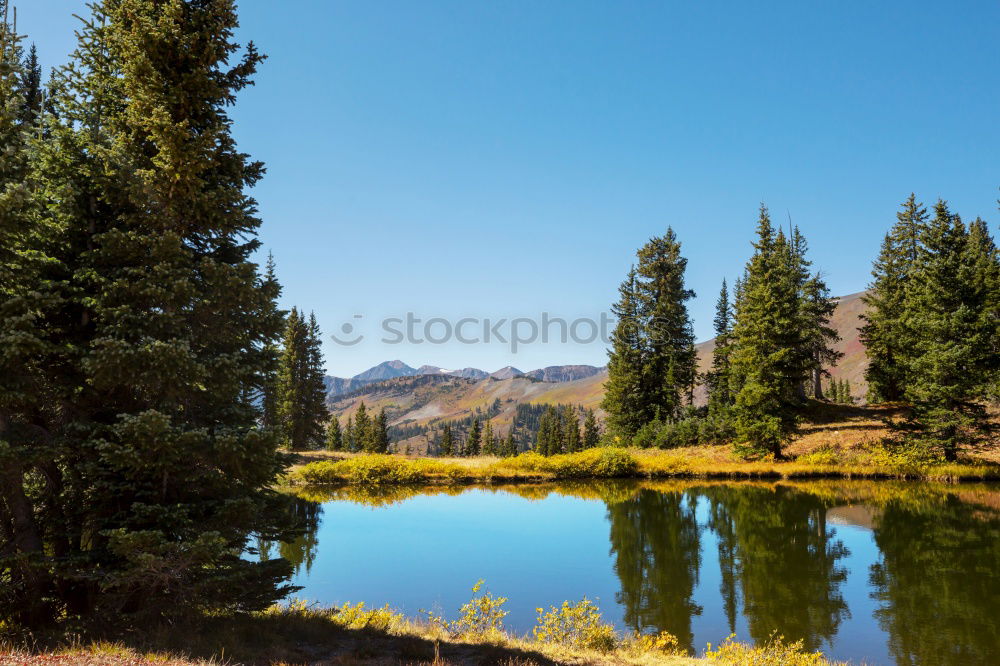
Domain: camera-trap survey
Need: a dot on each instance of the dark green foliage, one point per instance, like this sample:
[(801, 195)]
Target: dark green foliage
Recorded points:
[(362, 428), (815, 309), (570, 431), (883, 333), (509, 444), (949, 323), (651, 365), (696, 427), (334, 436), (301, 388), (768, 361), (591, 430), (350, 441), (474, 440), (135, 330), (720, 394), (489, 440), (447, 446), (378, 441)]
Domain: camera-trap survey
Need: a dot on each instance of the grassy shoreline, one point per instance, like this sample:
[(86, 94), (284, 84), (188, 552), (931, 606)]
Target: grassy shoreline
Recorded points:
[(710, 463), (355, 634)]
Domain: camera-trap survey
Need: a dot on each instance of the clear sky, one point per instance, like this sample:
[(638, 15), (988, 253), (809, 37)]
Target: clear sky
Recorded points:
[(503, 159)]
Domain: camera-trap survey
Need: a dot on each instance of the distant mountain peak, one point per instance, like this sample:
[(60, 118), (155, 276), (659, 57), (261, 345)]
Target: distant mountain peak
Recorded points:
[(507, 372), (386, 370)]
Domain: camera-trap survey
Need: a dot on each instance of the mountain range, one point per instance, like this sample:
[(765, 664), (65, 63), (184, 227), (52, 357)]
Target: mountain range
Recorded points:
[(337, 386), (420, 399)]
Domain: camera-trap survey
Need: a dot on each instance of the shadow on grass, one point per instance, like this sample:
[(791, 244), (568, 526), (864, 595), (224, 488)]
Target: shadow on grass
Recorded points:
[(312, 638)]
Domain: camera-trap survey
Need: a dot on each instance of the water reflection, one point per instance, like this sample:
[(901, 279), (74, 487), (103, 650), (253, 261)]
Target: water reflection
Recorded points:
[(928, 559)]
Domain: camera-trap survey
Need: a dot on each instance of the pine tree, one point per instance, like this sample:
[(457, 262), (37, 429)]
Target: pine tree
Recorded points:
[(334, 436), (947, 369), (509, 445), (447, 448), (489, 440), (883, 332), (379, 439), (350, 441), (302, 410), (719, 391), (845, 392), (362, 428), (570, 431), (815, 309), (768, 340), (30, 88), (652, 362), (623, 388), (591, 431), (153, 321), (474, 441), (669, 368), (270, 392)]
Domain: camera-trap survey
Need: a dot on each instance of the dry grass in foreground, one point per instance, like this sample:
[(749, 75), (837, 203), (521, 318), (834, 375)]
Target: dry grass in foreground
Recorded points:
[(355, 634)]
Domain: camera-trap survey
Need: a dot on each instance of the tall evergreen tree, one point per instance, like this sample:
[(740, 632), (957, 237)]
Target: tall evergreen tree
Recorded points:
[(350, 441), (447, 448), (882, 332), (302, 410), (719, 390), (669, 368), (652, 362), (270, 391), (768, 340), (489, 440), (623, 389), (334, 436), (949, 364), (815, 309), (152, 322), (362, 428), (473, 442), (509, 444), (570, 431), (379, 439), (31, 88), (591, 431)]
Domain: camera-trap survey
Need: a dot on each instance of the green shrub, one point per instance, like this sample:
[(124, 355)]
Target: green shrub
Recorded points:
[(773, 652), (370, 470), (577, 625)]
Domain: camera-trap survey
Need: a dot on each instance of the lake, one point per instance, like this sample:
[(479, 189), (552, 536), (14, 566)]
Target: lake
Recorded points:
[(874, 572)]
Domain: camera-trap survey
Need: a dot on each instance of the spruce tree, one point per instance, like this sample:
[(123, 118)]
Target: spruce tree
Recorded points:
[(591, 431), (334, 436), (768, 340), (489, 440), (669, 368), (152, 321), (948, 368), (350, 442), (570, 431), (719, 390), (815, 309), (509, 445), (474, 441), (270, 391), (362, 429), (447, 448), (623, 389), (302, 410), (883, 332), (379, 439), (30, 88)]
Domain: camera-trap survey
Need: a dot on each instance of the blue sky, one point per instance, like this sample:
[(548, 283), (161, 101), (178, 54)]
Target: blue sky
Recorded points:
[(504, 159)]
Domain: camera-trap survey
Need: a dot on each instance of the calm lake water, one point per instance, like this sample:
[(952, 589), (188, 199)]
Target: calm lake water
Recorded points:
[(878, 573)]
